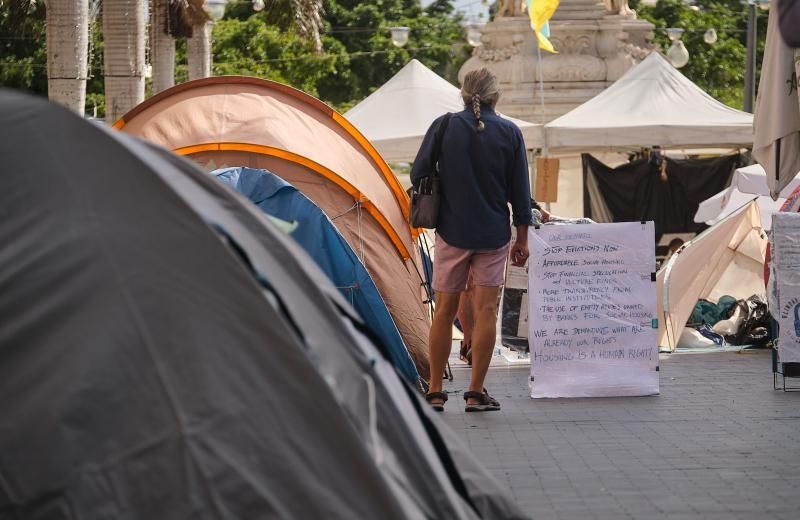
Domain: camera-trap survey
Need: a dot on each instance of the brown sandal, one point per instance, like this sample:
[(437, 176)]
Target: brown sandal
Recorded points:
[(439, 407), (486, 403)]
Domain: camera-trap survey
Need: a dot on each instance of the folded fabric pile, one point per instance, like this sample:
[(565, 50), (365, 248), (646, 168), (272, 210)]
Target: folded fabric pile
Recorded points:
[(728, 322), (538, 220)]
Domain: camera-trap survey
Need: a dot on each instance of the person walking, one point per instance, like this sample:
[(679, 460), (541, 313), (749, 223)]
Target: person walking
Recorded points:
[(482, 168)]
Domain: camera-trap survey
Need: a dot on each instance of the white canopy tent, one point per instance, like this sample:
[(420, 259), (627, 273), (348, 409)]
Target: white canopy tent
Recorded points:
[(652, 104), (396, 116), (748, 183)]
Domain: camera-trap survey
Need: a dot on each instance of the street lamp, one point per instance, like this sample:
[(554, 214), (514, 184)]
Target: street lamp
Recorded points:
[(677, 53), (710, 36), (215, 9), (399, 36), (474, 33), (258, 5), (750, 69)]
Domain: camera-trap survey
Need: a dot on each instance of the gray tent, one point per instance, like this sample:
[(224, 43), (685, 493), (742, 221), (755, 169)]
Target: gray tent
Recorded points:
[(166, 353)]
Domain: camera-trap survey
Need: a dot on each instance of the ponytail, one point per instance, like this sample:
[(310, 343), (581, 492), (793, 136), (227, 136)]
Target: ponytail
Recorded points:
[(476, 109), (480, 87)]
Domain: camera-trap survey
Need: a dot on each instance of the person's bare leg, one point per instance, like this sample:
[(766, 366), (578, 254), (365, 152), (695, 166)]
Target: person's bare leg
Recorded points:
[(440, 341), (465, 316), (484, 300)]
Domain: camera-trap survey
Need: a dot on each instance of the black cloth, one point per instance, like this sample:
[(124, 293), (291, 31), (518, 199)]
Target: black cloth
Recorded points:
[(635, 192), (481, 173), (789, 21)]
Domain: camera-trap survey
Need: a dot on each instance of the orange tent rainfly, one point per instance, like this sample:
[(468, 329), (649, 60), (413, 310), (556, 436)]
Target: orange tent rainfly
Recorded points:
[(241, 121)]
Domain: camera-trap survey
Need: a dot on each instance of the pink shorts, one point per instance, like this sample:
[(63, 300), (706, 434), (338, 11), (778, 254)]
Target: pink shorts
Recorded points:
[(453, 266)]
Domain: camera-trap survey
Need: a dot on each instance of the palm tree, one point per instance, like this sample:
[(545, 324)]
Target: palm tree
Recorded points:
[(123, 59), (162, 46), (308, 17), (67, 52), (198, 51)]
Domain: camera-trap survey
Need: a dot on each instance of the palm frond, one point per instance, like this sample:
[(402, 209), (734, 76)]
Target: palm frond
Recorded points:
[(308, 16), (183, 16)]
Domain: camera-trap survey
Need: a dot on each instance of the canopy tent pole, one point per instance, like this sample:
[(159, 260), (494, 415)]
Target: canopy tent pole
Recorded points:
[(541, 100), (532, 168), (544, 119)]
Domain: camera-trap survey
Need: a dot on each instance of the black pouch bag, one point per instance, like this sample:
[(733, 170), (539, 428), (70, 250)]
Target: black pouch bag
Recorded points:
[(426, 196)]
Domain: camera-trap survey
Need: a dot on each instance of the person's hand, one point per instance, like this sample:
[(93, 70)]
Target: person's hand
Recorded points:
[(545, 214), (519, 254)]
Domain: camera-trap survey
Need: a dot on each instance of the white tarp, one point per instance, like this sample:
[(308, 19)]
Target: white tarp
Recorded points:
[(748, 183), (777, 122), (396, 116), (786, 240), (592, 310), (652, 104)]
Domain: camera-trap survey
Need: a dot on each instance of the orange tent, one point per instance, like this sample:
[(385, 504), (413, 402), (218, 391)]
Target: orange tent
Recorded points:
[(242, 121)]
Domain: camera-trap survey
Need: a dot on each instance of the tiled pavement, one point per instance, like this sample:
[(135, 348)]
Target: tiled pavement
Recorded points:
[(718, 443)]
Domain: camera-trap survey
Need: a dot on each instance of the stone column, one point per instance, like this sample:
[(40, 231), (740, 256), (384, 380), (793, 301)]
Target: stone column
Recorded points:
[(198, 52), (67, 52), (123, 34)]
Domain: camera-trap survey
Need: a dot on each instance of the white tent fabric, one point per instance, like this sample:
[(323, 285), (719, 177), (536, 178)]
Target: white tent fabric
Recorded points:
[(652, 104), (726, 259), (748, 183), (777, 122), (396, 116)]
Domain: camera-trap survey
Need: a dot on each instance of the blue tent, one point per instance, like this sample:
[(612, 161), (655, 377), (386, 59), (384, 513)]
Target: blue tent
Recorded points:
[(320, 238)]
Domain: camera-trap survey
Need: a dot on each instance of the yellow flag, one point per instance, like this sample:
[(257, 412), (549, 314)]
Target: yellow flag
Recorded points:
[(540, 11)]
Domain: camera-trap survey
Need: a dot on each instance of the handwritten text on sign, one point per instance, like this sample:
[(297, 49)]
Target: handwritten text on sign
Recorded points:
[(592, 304), (786, 240)]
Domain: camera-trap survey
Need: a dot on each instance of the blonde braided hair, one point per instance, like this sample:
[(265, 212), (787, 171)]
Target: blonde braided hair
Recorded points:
[(476, 109), (480, 87)]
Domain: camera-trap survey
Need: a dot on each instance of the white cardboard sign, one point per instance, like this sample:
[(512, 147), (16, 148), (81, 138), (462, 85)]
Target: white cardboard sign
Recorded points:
[(786, 240), (592, 310)]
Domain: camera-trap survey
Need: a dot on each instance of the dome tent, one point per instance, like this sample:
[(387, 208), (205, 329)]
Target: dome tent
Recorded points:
[(320, 239), (239, 121), (184, 353), (727, 259)]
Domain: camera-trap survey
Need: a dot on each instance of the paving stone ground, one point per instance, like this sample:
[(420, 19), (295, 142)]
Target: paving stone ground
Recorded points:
[(718, 443)]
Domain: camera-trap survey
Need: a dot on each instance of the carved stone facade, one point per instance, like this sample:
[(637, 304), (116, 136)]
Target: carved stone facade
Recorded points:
[(597, 42)]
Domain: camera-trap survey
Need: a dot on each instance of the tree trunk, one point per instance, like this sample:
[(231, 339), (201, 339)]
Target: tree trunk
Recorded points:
[(162, 47), (67, 52), (198, 52), (123, 35)]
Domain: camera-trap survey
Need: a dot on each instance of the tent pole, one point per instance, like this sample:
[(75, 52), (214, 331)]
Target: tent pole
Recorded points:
[(532, 168), (541, 99), (541, 102)]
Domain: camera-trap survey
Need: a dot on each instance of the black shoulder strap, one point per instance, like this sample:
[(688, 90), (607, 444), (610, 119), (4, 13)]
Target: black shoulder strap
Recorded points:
[(437, 144)]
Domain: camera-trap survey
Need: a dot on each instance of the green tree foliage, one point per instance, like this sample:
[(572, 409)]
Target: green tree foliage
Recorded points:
[(717, 68), (358, 55), (23, 53), (436, 39), (253, 47)]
